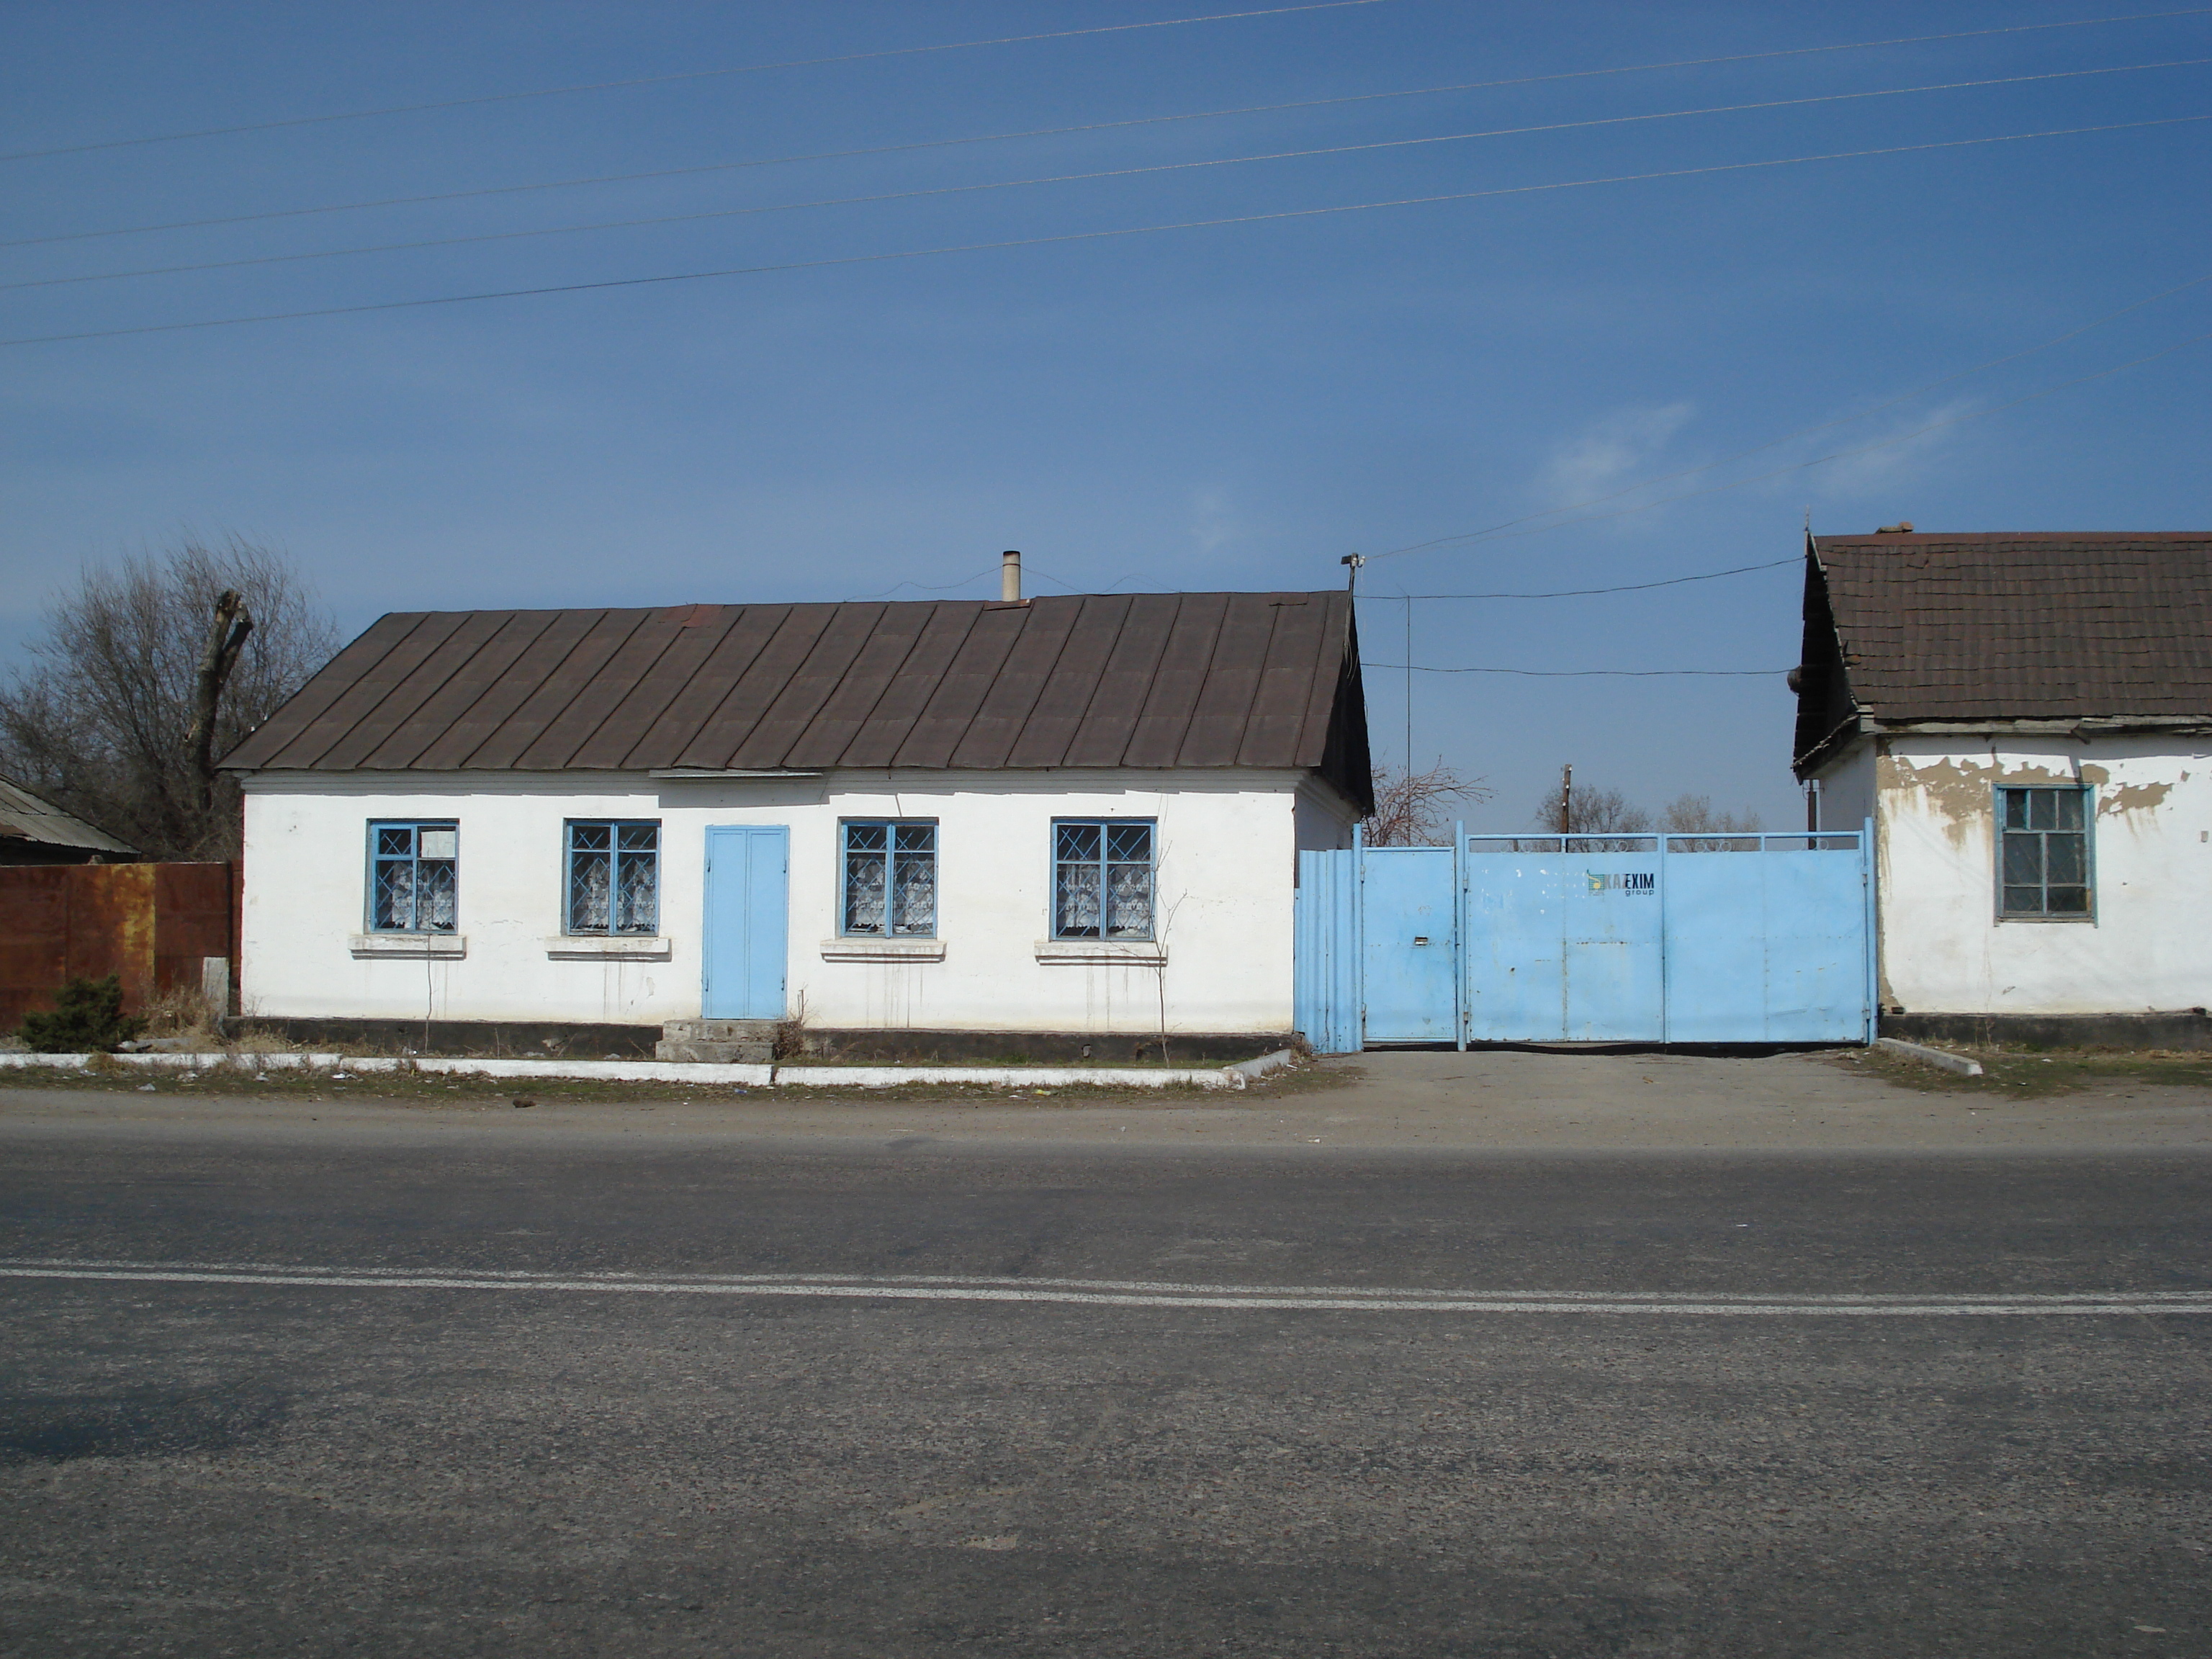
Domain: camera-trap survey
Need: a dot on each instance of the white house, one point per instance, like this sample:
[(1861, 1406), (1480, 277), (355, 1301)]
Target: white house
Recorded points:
[(2028, 721), (1074, 817)]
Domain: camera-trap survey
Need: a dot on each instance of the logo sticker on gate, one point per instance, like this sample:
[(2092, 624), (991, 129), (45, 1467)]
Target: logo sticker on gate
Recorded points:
[(1633, 881)]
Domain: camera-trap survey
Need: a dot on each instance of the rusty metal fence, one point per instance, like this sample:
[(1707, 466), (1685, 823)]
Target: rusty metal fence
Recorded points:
[(154, 927)]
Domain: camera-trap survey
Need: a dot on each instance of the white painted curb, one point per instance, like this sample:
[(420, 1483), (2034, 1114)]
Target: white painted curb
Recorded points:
[(1017, 1077), (1935, 1057), (619, 1071), (1245, 1073), (680, 1072)]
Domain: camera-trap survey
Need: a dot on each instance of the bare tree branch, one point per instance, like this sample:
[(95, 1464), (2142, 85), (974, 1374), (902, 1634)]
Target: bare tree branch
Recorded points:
[(143, 679), (1593, 812), (1409, 806)]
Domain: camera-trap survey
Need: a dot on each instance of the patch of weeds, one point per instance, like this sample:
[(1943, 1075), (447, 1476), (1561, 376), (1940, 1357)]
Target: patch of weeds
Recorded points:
[(2037, 1074)]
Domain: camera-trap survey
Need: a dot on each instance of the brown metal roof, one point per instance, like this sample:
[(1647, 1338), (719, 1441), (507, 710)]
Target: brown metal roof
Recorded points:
[(28, 818), (1151, 680), (2005, 626)]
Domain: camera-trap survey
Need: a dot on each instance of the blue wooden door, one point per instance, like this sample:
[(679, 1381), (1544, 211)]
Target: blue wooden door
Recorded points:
[(1409, 944), (747, 923)]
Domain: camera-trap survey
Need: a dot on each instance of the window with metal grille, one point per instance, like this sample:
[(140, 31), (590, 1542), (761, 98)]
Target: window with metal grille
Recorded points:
[(413, 878), (614, 878), (890, 879), (2043, 859), (1102, 884)]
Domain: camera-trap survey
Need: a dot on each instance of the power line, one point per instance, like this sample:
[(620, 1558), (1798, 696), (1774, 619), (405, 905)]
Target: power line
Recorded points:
[(704, 74), (1802, 432), (1078, 177), (1626, 588), (1077, 235), (925, 588), (1592, 673), (1049, 132)]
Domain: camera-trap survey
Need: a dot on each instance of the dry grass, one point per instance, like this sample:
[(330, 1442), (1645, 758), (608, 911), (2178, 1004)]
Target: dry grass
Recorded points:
[(2033, 1074)]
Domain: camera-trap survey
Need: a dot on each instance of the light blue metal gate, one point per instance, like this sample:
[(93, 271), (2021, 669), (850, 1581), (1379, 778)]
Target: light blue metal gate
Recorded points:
[(1589, 939), (1409, 944)]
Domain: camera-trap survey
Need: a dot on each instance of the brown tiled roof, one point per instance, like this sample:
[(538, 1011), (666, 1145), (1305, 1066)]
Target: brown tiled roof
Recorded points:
[(1148, 680), (2017, 626)]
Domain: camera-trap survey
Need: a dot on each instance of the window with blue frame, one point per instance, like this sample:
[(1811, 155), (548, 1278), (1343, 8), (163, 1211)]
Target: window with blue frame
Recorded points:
[(890, 879), (1102, 884), (413, 878), (614, 878), (2043, 858)]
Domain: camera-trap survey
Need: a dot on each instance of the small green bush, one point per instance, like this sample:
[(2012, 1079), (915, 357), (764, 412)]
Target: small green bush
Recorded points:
[(88, 1018)]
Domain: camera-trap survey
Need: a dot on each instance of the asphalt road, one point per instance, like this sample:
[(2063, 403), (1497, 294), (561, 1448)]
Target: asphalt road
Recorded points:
[(336, 1390)]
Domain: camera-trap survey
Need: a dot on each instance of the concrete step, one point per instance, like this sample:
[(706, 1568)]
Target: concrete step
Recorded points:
[(714, 1053), (718, 1042), (720, 1031)]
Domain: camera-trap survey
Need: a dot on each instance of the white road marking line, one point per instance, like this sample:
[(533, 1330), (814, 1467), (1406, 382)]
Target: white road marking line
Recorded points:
[(1120, 1293)]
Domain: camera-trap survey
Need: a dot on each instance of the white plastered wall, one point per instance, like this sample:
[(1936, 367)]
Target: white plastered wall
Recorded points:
[(1944, 948), (1226, 852)]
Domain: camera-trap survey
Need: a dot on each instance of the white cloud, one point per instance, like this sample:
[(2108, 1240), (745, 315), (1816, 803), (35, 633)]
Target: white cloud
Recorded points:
[(1907, 449), (1606, 455), (1213, 521)]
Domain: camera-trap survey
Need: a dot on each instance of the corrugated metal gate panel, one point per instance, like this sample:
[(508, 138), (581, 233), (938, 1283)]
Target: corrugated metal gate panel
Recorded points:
[(1515, 935), (1326, 952), (1766, 946), (1616, 986), (1768, 941), (1409, 945)]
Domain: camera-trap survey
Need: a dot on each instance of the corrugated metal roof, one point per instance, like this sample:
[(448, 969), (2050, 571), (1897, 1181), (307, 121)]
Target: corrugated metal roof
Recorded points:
[(25, 817), (1151, 680), (2019, 626)]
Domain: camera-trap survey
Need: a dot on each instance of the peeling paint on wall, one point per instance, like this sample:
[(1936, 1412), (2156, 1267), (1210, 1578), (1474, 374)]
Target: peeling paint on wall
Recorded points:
[(1961, 792), (2128, 797)]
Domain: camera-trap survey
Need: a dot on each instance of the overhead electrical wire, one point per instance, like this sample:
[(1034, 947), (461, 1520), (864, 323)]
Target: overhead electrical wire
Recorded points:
[(1588, 673), (1080, 178), (1064, 237), (1032, 132), (1919, 391), (704, 74), (1586, 592)]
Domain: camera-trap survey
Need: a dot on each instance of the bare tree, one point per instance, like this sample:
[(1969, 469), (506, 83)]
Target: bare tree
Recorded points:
[(1592, 812), (1409, 806), (1689, 815), (147, 673)]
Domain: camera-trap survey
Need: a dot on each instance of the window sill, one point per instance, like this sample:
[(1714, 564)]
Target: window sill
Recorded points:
[(410, 947), (882, 949), (603, 947), (1096, 952)]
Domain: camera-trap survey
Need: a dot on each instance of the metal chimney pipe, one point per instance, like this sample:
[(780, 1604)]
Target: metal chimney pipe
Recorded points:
[(1010, 576)]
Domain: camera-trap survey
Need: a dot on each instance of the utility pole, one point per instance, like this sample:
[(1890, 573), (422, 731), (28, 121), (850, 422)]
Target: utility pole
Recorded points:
[(1409, 683), (1352, 561), (1566, 800)]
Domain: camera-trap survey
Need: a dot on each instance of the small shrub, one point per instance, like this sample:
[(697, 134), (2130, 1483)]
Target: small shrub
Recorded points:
[(88, 1018)]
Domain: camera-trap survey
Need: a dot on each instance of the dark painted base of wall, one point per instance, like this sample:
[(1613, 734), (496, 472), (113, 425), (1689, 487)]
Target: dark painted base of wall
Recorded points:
[(523, 1039), (1039, 1048), (507, 1039), (2190, 1028)]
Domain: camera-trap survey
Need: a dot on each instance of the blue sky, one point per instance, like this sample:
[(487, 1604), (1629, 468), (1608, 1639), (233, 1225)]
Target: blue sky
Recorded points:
[(1233, 406)]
